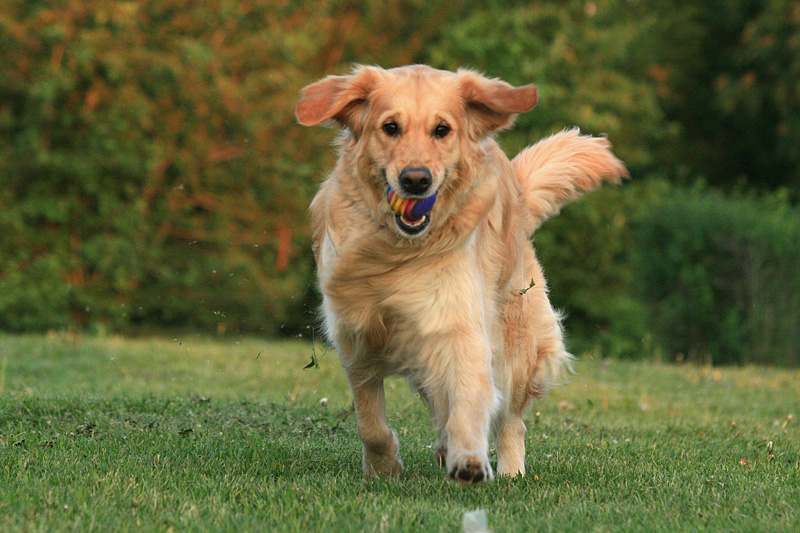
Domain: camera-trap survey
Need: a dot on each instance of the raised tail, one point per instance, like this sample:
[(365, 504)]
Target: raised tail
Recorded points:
[(556, 170)]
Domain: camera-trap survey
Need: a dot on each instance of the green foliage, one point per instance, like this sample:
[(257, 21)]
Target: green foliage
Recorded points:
[(586, 61), (729, 77), (140, 185), (721, 277), (152, 171), (152, 174), (587, 255)]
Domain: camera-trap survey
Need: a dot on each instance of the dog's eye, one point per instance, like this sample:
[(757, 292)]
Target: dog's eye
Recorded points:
[(441, 131), (391, 129)]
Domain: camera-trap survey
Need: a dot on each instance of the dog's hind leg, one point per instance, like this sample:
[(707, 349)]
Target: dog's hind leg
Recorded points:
[(511, 445), (534, 356), (381, 448), (513, 373), (439, 418)]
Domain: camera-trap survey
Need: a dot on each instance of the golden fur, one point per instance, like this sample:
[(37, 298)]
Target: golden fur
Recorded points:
[(445, 307)]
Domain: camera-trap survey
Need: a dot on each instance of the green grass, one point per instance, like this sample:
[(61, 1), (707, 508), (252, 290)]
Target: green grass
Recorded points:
[(208, 435)]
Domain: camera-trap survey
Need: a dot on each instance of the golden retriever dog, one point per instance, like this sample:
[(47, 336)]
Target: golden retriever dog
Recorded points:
[(421, 237)]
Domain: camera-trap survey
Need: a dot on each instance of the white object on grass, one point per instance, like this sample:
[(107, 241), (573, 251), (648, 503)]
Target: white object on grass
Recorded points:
[(475, 522)]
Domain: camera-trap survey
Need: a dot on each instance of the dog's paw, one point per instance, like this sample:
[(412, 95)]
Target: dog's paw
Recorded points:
[(382, 465), (386, 463), (469, 468)]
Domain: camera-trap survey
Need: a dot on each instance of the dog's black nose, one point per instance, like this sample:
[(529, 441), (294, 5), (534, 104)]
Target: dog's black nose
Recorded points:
[(415, 181)]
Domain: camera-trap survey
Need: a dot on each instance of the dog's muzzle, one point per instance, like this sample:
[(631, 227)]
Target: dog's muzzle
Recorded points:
[(415, 181)]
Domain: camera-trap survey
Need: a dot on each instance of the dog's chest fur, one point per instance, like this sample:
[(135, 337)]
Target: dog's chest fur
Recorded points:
[(393, 317), (372, 301)]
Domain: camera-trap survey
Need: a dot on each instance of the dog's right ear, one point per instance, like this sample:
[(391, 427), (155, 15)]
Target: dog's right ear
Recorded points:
[(342, 99)]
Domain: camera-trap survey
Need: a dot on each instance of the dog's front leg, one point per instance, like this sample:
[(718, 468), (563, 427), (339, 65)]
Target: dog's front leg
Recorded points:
[(381, 448), (473, 399)]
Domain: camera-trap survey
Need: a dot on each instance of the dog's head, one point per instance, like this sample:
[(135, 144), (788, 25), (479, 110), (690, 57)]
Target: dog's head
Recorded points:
[(413, 132)]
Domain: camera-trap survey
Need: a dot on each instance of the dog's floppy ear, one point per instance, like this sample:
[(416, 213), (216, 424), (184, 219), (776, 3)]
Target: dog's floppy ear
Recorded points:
[(492, 104), (339, 98)]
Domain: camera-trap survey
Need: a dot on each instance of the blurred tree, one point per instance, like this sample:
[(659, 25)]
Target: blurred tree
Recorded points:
[(729, 74), (719, 275), (153, 172), (588, 59)]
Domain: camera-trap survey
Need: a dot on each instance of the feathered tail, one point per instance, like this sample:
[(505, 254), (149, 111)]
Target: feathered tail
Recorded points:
[(556, 170)]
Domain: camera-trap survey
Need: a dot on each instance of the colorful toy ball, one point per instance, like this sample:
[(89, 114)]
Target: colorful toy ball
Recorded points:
[(410, 209)]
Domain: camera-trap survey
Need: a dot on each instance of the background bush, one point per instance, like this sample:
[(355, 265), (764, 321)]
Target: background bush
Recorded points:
[(152, 174), (590, 266), (141, 185), (720, 277)]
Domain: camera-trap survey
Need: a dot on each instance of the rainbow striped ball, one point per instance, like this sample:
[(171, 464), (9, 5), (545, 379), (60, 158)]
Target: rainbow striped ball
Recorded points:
[(411, 209)]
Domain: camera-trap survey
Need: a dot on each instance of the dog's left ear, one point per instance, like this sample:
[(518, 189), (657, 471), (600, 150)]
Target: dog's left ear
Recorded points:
[(492, 104), (342, 99)]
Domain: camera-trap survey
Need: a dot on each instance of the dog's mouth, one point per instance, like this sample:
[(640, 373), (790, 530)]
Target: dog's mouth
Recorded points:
[(412, 215), (412, 227)]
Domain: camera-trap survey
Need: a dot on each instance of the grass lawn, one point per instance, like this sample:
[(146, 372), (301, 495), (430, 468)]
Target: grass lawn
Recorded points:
[(191, 433)]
